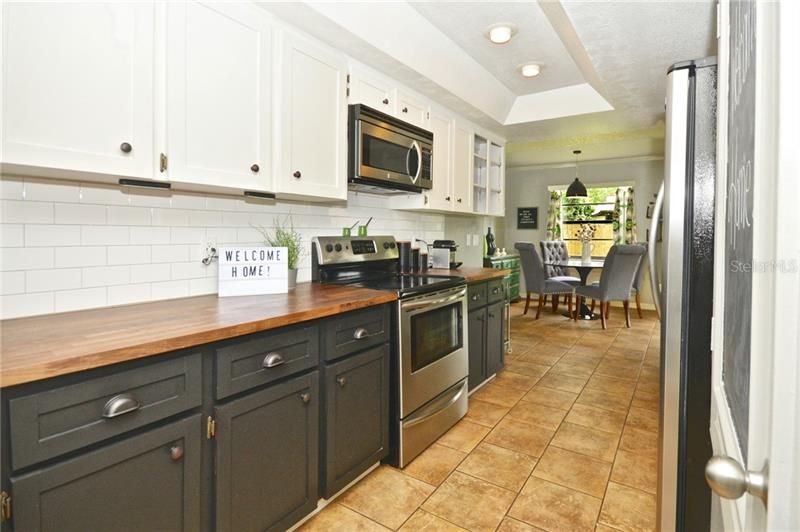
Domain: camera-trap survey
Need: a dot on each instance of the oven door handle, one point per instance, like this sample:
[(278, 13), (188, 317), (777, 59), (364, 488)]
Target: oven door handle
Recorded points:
[(434, 407), (431, 303)]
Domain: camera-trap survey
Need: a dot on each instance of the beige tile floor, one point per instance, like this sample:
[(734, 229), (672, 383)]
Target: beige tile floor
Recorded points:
[(564, 439)]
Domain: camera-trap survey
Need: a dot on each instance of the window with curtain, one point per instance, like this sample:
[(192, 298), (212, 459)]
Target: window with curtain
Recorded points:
[(609, 209)]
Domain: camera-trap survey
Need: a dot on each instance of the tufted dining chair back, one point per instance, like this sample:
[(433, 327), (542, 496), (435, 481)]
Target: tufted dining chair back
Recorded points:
[(532, 267), (553, 250)]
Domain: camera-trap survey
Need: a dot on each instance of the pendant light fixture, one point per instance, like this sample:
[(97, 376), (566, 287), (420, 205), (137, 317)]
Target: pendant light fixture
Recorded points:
[(576, 189)]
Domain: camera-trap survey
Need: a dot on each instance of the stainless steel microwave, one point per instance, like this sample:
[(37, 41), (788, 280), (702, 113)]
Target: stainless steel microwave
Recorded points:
[(387, 155)]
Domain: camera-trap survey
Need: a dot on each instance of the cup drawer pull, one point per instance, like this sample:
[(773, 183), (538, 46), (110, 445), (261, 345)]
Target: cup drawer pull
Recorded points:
[(360, 333), (119, 405), (272, 360)]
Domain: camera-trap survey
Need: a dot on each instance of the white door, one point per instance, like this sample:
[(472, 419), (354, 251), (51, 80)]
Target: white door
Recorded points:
[(441, 171), (78, 86), (462, 168), (412, 110), (755, 423), (313, 127), (218, 79), (372, 91)]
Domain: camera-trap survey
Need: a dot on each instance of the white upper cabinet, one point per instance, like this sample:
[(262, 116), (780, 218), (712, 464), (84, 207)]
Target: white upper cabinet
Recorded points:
[(442, 168), (219, 76), (313, 121), (412, 110), (78, 86), (372, 90), (462, 167)]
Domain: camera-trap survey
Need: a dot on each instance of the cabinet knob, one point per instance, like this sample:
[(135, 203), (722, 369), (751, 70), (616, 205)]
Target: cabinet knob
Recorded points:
[(459, 200), (476, 297), (305, 397), (405, 109), (255, 168), (341, 381), (125, 147), (385, 101), (447, 198), (297, 174), (491, 315), (272, 360), (176, 452)]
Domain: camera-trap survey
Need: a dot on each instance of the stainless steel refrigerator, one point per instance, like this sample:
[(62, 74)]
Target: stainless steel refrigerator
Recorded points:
[(682, 251)]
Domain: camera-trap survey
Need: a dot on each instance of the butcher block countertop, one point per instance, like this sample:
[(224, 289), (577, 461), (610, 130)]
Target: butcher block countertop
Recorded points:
[(47, 346), (471, 274)]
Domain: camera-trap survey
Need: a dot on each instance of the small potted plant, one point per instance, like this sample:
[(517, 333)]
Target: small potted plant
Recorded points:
[(285, 236), (585, 234)]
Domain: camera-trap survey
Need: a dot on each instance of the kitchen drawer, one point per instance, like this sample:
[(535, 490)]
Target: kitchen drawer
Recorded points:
[(260, 358), (495, 291), (51, 423), (477, 295), (355, 331)]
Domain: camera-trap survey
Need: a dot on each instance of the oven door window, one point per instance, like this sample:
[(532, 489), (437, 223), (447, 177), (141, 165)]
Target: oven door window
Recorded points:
[(434, 335)]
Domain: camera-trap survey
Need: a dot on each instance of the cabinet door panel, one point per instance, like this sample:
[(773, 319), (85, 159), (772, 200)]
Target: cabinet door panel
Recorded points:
[(77, 84), (372, 92), (137, 484), (356, 416), (477, 347), (218, 94), (412, 110), (494, 338), (314, 121), (267, 456), (462, 169), (441, 194)]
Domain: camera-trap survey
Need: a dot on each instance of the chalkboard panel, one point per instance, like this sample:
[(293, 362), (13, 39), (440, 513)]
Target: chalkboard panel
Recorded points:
[(528, 218), (739, 216)]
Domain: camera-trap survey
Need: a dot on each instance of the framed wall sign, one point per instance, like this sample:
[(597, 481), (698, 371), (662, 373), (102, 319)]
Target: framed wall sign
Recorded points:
[(528, 218), (253, 270)]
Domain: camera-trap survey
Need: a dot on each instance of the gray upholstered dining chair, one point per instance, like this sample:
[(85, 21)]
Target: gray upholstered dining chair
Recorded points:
[(535, 280), (616, 281), (637, 284), (554, 250)]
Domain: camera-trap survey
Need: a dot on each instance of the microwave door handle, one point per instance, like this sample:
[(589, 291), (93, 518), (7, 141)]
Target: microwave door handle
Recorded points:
[(414, 147)]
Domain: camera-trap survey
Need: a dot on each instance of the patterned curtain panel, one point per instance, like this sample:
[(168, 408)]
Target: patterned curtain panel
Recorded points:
[(630, 219), (554, 216), (617, 218)]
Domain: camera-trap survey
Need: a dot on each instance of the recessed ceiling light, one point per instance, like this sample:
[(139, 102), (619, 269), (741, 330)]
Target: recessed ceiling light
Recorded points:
[(530, 70), (501, 33)]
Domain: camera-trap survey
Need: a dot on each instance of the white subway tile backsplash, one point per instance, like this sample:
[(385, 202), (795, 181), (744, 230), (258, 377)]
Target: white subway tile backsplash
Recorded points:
[(105, 235), (129, 254), (67, 246), (78, 213), (18, 305), (50, 280), (25, 212), (25, 258), (80, 256), (12, 283), (12, 236), (52, 235), (84, 298), (106, 276)]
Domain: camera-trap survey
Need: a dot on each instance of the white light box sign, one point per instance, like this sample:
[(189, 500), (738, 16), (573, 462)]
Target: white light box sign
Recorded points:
[(253, 271)]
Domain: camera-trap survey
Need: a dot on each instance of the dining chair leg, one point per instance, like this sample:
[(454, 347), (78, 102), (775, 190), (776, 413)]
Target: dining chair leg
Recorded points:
[(569, 305), (593, 303), (527, 303), (555, 303), (578, 303), (626, 306), (608, 308), (603, 315), (639, 305), (541, 304)]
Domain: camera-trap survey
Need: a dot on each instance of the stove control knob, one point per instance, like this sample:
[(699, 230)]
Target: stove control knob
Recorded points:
[(392, 245), (386, 245), (328, 247), (338, 247)]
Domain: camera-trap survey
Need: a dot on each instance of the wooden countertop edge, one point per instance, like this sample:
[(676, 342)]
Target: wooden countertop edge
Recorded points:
[(55, 368), (471, 274)]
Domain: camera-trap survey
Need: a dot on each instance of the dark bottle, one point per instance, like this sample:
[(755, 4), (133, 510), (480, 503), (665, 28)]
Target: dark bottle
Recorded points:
[(491, 249)]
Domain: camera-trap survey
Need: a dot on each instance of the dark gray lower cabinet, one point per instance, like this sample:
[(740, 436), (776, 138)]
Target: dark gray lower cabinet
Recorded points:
[(267, 446), (486, 352), (477, 350), (356, 421), (146, 482)]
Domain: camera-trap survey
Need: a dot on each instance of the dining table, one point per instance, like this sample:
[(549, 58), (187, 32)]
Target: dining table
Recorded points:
[(584, 268)]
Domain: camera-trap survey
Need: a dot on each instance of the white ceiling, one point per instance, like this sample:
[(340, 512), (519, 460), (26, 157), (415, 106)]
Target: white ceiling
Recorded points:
[(605, 62)]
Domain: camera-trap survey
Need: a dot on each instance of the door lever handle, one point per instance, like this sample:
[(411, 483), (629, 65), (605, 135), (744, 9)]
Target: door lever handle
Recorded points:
[(728, 479)]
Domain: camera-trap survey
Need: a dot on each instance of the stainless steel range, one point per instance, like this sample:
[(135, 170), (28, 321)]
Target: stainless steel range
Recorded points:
[(431, 360)]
